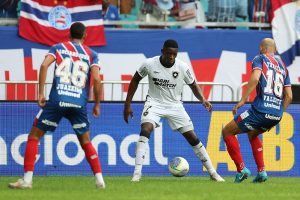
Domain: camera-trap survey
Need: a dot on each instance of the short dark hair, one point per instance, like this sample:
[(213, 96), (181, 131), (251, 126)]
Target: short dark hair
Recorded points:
[(77, 30), (170, 44)]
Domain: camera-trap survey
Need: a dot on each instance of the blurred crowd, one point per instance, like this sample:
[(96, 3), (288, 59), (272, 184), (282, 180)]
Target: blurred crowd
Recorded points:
[(172, 10)]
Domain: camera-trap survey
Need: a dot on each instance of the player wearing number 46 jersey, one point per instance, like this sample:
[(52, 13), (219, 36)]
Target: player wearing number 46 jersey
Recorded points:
[(274, 94), (75, 63)]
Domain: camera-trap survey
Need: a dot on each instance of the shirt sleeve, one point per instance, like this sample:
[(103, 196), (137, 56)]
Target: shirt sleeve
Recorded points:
[(257, 63), (143, 70), (189, 76), (52, 51), (95, 60)]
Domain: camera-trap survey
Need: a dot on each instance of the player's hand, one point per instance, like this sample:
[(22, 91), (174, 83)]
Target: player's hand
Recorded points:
[(127, 111), (42, 100), (207, 105), (96, 110), (237, 106)]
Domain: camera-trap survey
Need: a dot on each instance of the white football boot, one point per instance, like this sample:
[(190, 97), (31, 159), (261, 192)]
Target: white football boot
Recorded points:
[(20, 184), (136, 177), (216, 177), (100, 185)]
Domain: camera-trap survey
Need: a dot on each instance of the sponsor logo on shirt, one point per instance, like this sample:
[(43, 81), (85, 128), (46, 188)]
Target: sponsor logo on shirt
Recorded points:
[(163, 83)]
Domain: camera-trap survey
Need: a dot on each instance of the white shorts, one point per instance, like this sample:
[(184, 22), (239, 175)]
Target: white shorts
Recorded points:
[(175, 114)]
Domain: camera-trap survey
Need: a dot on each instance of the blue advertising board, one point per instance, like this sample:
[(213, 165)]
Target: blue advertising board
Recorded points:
[(200, 43), (60, 153)]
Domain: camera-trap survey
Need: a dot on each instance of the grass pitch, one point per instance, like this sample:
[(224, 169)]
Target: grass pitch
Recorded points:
[(156, 188)]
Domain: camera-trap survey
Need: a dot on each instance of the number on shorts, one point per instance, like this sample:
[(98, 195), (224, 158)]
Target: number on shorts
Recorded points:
[(78, 74)]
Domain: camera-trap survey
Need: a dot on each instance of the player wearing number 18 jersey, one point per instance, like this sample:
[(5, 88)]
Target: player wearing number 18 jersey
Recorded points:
[(274, 94), (75, 63)]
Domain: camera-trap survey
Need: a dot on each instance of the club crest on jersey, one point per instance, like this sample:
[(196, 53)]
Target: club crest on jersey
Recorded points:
[(145, 113), (60, 17), (175, 74)]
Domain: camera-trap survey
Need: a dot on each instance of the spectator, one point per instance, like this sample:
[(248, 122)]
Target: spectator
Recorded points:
[(8, 8), (189, 11), (110, 12), (259, 11), (154, 11), (226, 10), (126, 6), (165, 6)]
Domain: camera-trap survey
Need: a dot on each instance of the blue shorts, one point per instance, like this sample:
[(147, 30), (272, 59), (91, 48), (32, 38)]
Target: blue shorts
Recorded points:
[(252, 119), (48, 117)]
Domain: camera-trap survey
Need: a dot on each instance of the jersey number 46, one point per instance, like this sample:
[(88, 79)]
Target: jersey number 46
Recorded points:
[(78, 74)]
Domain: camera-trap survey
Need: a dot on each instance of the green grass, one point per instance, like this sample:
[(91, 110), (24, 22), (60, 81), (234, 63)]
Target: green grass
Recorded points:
[(83, 188)]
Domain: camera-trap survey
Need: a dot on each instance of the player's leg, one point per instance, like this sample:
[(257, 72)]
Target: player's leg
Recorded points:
[(80, 123), (31, 151), (232, 144), (92, 157), (149, 120), (46, 120), (200, 151), (261, 122), (257, 150), (233, 148), (179, 120), (142, 147)]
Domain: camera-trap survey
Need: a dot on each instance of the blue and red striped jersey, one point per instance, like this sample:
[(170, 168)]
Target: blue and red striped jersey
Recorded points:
[(71, 80), (273, 79)]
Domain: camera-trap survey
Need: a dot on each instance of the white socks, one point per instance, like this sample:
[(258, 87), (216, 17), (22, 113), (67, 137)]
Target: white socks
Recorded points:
[(141, 150), (28, 177), (99, 178), (202, 154)]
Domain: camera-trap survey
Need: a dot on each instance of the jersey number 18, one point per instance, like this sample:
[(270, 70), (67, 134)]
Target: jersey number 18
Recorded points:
[(274, 83)]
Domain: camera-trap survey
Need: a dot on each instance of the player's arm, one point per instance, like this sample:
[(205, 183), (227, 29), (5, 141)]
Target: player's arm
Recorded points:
[(199, 95), (288, 97), (96, 89), (49, 59), (254, 79), (131, 91)]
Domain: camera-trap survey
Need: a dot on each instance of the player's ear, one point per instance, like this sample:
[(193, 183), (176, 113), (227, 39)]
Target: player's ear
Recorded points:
[(261, 49), (84, 35)]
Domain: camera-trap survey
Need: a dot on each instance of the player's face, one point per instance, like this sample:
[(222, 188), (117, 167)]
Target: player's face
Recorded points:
[(169, 55)]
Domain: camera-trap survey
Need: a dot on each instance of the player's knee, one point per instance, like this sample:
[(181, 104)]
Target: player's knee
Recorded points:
[(191, 137), (36, 133), (194, 141), (146, 132), (225, 132)]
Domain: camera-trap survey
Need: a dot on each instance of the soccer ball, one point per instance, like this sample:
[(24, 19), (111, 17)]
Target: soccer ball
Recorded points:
[(179, 167)]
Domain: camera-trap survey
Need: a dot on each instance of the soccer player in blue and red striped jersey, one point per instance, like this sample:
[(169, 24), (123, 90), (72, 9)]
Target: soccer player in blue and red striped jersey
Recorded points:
[(274, 94), (75, 64)]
